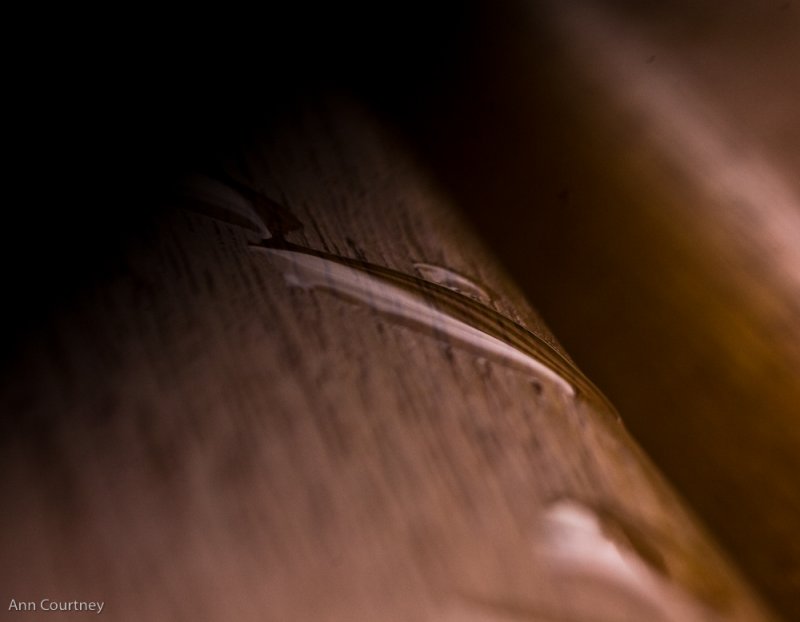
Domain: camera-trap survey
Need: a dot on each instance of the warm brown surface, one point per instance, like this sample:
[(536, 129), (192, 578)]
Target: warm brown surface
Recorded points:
[(213, 434), (636, 167)]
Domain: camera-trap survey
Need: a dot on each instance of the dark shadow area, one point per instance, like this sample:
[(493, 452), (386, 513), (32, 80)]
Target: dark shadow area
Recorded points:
[(106, 117)]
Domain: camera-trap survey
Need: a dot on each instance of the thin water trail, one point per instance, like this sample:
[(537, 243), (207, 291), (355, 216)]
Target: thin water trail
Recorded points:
[(429, 306), (443, 301)]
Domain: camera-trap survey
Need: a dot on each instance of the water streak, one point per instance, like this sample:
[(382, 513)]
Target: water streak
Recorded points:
[(445, 302), (430, 306)]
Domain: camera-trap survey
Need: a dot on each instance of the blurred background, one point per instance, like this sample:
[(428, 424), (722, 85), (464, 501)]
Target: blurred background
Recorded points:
[(634, 165)]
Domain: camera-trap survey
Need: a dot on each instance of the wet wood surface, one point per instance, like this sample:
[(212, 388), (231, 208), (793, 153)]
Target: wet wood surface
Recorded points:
[(644, 193), (226, 430)]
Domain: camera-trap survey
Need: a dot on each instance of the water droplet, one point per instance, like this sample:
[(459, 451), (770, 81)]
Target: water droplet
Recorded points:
[(218, 200), (225, 198), (573, 531), (432, 308), (591, 564), (623, 534), (453, 280), (598, 551)]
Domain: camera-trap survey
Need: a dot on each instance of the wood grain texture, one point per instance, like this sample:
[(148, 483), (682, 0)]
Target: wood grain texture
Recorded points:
[(201, 439), (644, 180)]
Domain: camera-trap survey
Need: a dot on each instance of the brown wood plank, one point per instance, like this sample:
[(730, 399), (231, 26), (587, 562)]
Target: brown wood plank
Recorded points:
[(314, 430)]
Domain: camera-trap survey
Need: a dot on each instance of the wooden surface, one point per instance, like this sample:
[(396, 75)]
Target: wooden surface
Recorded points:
[(643, 191), (218, 433)]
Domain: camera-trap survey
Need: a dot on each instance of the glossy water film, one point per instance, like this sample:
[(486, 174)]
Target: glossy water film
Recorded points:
[(409, 300), (443, 301)]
